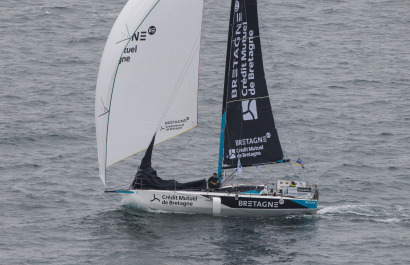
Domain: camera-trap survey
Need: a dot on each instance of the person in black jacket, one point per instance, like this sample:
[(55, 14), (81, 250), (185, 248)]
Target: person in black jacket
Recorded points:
[(213, 182)]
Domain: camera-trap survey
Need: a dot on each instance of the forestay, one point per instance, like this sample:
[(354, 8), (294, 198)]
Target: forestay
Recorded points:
[(148, 77)]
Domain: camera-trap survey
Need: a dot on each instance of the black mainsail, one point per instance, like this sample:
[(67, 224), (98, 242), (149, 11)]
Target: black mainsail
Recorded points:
[(248, 130)]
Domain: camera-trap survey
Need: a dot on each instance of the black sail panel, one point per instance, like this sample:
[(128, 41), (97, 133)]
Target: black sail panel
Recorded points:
[(250, 132), (146, 160), (227, 63)]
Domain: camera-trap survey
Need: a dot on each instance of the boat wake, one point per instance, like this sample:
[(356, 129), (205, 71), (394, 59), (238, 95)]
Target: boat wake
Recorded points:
[(367, 212)]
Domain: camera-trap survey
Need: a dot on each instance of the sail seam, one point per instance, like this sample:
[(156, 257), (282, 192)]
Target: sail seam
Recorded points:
[(232, 101), (253, 37)]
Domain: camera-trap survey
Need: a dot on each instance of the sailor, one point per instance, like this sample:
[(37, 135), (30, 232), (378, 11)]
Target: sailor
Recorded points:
[(213, 182), (316, 193)]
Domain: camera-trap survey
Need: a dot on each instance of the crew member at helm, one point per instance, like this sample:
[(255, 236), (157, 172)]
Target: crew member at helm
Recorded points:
[(213, 182)]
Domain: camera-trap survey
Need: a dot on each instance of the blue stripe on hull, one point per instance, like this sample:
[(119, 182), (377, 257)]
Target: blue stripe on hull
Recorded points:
[(307, 203)]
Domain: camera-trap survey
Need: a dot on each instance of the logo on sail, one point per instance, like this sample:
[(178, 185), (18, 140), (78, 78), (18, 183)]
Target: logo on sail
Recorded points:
[(249, 111), (133, 40), (232, 154), (152, 30), (138, 35), (172, 125)]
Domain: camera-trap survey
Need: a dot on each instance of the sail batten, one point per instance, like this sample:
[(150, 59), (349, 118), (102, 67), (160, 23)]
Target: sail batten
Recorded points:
[(250, 134), (148, 77)]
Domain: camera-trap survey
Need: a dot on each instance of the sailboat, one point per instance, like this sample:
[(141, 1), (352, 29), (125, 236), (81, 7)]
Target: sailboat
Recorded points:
[(147, 93)]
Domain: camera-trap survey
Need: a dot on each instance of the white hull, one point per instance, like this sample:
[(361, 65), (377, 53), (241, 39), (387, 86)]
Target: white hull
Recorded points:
[(219, 203)]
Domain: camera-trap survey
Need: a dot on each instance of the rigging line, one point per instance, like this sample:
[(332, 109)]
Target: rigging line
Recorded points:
[(181, 77), (120, 187), (229, 178), (232, 101), (282, 97), (112, 196), (248, 37), (296, 175), (294, 172), (211, 18), (273, 173), (186, 66), (105, 108), (207, 131), (184, 146), (207, 23), (290, 165)]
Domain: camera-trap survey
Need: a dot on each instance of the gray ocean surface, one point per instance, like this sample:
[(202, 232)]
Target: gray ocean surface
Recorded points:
[(338, 74)]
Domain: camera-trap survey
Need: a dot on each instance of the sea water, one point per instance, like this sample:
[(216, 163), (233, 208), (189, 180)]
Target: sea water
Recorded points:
[(338, 74)]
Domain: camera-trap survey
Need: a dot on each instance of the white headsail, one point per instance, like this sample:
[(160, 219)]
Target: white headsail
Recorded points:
[(148, 77)]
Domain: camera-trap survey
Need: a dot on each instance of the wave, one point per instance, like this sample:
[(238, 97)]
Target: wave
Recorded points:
[(367, 212)]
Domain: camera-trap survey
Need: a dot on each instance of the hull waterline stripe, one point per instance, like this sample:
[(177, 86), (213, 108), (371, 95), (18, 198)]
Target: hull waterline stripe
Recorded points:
[(307, 203), (119, 191)]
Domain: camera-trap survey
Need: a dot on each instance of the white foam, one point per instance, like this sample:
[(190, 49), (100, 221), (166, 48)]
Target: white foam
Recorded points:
[(389, 220), (342, 208)]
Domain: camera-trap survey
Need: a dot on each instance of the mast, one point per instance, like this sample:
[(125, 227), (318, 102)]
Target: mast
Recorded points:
[(249, 132), (227, 66)]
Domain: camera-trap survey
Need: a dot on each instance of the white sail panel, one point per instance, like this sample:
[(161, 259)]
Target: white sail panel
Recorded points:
[(148, 78)]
